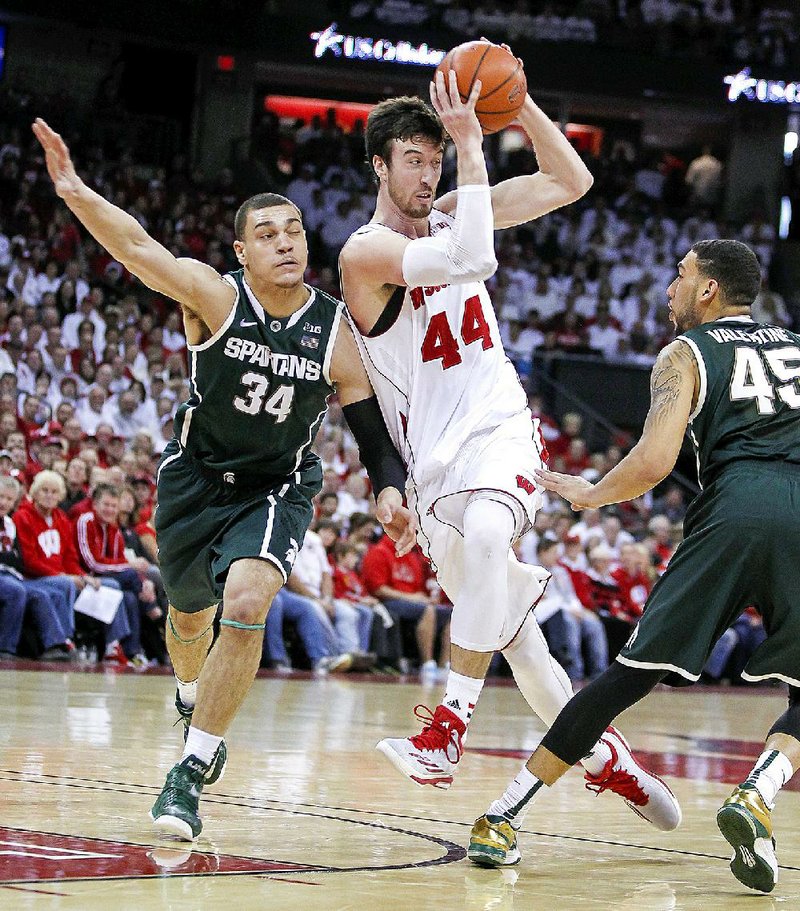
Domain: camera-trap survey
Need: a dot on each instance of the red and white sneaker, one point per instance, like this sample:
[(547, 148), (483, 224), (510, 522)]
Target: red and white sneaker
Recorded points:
[(645, 793), (429, 758)]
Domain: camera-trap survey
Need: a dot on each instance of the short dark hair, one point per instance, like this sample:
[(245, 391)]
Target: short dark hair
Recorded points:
[(734, 266), (259, 201), (104, 489), (400, 118)]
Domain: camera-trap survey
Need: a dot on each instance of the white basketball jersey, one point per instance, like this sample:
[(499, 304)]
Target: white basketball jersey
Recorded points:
[(439, 370)]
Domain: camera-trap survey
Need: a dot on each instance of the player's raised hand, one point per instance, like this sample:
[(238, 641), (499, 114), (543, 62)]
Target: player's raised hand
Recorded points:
[(398, 522), (57, 158), (576, 491), (459, 117)]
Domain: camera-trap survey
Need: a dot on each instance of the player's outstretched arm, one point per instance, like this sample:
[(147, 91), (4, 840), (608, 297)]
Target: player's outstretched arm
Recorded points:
[(384, 466), (186, 280), (673, 389)]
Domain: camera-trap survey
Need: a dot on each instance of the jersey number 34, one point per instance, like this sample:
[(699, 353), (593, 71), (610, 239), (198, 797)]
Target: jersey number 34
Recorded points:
[(440, 343), (279, 404)]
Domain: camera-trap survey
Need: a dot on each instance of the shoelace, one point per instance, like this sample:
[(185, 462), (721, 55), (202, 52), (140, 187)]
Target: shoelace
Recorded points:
[(619, 781), (435, 736)]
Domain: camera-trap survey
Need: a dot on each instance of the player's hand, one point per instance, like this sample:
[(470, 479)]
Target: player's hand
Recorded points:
[(459, 117), (575, 490), (398, 522), (59, 163)]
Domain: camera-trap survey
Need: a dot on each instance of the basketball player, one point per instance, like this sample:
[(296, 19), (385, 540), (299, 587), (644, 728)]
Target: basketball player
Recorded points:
[(236, 482), (413, 281), (736, 384)]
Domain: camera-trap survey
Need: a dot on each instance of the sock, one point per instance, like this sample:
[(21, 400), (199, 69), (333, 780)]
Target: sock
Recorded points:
[(187, 692), (461, 693), (770, 774), (595, 762), (202, 745), (517, 800)]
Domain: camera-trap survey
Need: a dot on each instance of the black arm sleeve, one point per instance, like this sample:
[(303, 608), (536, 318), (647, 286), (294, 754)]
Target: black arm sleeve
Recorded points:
[(376, 449)]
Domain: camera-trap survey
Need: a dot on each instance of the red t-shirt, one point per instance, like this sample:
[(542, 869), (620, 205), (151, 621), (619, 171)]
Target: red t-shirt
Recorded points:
[(382, 566), (347, 584)]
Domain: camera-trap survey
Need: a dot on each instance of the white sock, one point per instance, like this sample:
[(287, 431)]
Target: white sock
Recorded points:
[(595, 762), (517, 800), (461, 693), (200, 744), (187, 692), (770, 774)]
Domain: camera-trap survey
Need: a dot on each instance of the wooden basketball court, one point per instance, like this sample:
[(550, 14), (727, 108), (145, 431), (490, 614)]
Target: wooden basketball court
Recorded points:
[(309, 816)]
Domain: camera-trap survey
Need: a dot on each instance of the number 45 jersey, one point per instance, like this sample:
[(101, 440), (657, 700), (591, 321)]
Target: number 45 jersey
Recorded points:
[(748, 405), (438, 367), (259, 387)]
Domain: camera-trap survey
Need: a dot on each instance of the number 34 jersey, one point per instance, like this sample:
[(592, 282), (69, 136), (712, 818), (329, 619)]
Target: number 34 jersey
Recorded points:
[(438, 367), (748, 405), (259, 387)]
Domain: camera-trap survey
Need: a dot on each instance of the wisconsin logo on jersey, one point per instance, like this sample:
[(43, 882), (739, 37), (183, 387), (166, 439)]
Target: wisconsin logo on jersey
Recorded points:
[(527, 485), (418, 295)]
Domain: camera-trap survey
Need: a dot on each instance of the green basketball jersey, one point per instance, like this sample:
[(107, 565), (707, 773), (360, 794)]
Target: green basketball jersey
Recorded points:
[(748, 406), (259, 387)]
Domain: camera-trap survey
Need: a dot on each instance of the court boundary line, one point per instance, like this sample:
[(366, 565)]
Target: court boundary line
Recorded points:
[(237, 800)]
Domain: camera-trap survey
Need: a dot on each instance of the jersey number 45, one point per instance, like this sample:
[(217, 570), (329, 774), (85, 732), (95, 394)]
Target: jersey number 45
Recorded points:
[(440, 343)]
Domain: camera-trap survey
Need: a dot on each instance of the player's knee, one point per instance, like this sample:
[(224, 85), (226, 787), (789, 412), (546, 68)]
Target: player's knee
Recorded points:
[(189, 625), (245, 607)]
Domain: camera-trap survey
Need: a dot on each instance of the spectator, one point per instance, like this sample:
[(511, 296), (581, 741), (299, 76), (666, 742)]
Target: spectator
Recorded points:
[(734, 648), (314, 629), (312, 578), (572, 630), (101, 552), (46, 540), (704, 179), (348, 585), (401, 584), (50, 612)]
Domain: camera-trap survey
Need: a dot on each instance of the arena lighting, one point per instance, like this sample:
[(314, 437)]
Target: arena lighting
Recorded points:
[(355, 47), (776, 91)]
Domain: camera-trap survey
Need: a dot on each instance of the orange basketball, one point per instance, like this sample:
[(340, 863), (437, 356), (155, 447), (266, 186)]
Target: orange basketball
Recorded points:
[(503, 83)]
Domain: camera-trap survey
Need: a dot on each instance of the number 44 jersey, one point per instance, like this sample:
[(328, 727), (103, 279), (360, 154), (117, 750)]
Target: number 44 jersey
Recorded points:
[(259, 387), (748, 404), (438, 367)]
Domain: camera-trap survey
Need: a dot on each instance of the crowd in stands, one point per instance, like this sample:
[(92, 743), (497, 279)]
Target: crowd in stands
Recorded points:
[(725, 30), (93, 367)]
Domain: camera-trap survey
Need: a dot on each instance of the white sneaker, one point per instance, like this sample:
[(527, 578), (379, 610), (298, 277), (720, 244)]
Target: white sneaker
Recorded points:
[(645, 793), (429, 758)]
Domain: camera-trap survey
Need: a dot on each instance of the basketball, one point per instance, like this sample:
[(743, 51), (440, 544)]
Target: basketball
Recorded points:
[(503, 83)]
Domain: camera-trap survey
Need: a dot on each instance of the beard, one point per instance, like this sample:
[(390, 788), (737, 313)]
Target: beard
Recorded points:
[(411, 208), (686, 322)]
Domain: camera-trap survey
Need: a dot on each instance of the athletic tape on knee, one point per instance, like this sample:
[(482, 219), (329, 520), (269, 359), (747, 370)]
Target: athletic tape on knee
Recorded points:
[(249, 627), (180, 638)]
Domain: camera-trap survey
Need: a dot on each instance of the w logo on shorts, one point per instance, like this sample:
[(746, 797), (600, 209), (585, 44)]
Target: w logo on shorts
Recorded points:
[(527, 485)]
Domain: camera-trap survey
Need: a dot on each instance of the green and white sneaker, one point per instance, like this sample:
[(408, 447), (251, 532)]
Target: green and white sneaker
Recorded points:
[(217, 768), (744, 819), (176, 810)]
